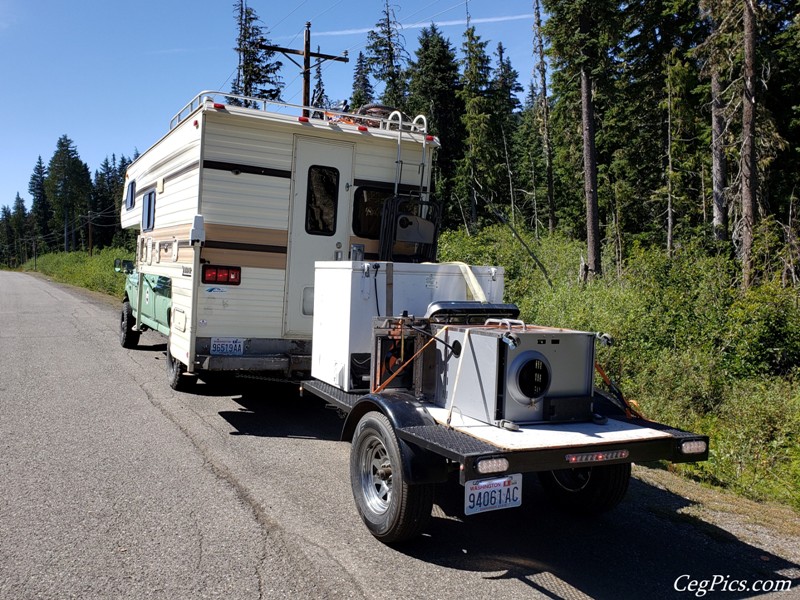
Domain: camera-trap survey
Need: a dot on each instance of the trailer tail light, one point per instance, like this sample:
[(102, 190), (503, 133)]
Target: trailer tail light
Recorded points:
[(595, 457), (694, 447), (224, 275), (491, 465)]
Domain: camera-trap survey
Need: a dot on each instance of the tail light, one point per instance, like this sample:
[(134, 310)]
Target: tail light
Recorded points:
[(225, 275)]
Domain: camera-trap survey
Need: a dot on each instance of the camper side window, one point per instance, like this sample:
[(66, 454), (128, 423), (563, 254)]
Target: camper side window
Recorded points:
[(149, 211), (322, 200), (130, 195)]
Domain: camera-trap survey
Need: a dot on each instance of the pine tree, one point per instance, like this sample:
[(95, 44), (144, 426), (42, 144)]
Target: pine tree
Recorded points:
[(319, 98), (544, 117), (363, 93), (40, 206), (386, 56), (504, 88), (477, 170), (582, 34), (257, 75), (749, 167), (19, 229), (433, 85), (68, 187), (6, 237)]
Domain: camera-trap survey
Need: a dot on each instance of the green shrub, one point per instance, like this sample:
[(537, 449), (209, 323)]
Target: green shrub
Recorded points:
[(693, 350), (78, 268)]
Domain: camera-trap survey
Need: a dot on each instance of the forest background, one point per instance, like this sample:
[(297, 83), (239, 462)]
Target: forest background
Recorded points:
[(650, 167)]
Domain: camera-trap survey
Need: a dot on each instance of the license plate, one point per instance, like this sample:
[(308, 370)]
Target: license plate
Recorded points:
[(483, 495), (227, 346)]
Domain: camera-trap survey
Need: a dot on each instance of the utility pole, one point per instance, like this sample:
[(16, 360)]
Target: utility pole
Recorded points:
[(306, 67), (90, 233)]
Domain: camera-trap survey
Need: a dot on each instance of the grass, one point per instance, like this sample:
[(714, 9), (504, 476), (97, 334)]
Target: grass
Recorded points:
[(94, 272)]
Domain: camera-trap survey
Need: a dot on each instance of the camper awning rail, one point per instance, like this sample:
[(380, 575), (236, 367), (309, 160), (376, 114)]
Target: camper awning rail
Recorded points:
[(374, 116)]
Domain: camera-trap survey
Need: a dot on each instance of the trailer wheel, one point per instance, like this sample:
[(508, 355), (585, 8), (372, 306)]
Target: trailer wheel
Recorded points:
[(127, 336), (587, 490), (175, 371), (392, 509)]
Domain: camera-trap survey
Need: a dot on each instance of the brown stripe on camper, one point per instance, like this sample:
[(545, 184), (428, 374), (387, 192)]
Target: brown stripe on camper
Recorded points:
[(246, 246), (237, 168)]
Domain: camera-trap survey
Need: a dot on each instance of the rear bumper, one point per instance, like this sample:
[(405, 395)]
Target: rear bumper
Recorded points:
[(468, 451), (260, 354)]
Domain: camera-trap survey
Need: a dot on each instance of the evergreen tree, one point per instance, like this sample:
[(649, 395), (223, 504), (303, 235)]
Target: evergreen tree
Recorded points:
[(363, 93), (19, 230), (40, 207), (477, 170), (106, 195), (504, 88), (583, 35), (529, 162), (257, 75), (6, 237), (433, 86), (68, 186), (318, 97), (386, 56)]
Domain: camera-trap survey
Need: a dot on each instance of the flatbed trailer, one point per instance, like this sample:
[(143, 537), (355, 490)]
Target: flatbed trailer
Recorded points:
[(545, 448), (469, 393)]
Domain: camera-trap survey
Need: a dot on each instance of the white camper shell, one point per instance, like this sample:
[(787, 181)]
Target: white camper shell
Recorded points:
[(240, 198)]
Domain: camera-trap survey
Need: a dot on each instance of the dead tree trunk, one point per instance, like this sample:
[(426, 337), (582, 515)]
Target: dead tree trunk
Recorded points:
[(749, 166)]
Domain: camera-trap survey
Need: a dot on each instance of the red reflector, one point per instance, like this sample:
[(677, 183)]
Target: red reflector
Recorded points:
[(362, 128), (303, 119), (219, 106), (429, 138)]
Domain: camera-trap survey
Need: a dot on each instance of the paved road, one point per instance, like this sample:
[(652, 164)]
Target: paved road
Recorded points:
[(114, 486)]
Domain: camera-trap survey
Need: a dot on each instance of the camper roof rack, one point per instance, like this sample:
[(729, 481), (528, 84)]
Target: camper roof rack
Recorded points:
[(374, 116)]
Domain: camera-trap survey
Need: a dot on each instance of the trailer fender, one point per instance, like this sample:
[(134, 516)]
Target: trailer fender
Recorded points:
[(402, 410)]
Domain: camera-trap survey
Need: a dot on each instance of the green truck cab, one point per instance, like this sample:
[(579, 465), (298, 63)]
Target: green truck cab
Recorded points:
[(148, 308)]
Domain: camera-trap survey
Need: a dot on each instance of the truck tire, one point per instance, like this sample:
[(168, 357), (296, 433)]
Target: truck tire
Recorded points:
[(127, 336), (175, 371), (392, 509), (587, 490)]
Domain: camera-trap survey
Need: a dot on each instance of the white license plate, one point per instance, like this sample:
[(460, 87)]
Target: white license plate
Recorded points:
[(483, 495), (227, 346)]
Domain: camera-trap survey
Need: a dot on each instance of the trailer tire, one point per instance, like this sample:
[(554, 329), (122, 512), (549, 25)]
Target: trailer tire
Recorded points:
[(391, 508), (175, 371), (587, 490), (127, 336)]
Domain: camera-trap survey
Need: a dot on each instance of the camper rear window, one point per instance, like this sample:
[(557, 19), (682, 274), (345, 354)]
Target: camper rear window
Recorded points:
[(149, 211), (367, 211), (322, 200)]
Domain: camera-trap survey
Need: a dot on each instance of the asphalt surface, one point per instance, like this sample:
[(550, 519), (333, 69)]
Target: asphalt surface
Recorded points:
[(114, 486)]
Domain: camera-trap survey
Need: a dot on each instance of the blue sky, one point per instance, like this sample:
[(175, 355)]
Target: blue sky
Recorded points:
[(111, 74)]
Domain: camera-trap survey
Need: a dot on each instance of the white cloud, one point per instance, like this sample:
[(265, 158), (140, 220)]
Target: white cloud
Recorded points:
[(420, 25)]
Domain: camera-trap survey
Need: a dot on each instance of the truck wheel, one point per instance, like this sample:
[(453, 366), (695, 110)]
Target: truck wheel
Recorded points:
[(127, 336), (392, 509), (175, 371), (587, 490)]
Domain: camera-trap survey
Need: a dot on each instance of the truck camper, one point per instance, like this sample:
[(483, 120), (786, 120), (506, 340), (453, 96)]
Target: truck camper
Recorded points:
[(265, 226)]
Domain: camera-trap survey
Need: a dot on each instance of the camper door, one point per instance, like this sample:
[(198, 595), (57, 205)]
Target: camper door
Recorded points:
[(319, 228)]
